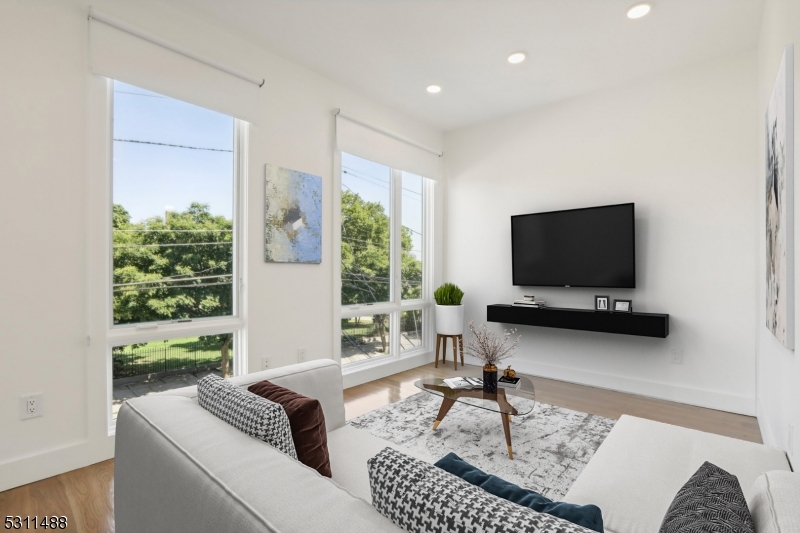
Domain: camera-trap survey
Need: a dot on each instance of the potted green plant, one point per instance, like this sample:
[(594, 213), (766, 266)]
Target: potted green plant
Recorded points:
[(449, 310), (490, 348)]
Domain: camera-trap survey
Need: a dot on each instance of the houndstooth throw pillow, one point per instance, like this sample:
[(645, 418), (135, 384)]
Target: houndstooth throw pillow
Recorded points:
[(710, 502), (247, 412), (421, 498)]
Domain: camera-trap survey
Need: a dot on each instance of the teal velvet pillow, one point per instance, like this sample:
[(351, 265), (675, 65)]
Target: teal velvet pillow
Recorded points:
[(588, 516)]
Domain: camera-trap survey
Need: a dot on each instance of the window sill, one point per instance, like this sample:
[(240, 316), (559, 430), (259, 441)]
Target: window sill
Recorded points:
[(358, 366), (203, 326)]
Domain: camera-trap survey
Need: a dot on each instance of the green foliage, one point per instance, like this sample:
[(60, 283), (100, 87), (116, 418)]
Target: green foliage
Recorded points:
[(448, 294), (148, 271), (153, 279), (366, 253)]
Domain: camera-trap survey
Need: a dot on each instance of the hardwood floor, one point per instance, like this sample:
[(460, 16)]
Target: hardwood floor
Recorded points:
[(86, 496), (369, 396)]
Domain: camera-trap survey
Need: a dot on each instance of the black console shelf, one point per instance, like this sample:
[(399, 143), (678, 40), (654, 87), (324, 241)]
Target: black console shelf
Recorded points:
[(641, 324)]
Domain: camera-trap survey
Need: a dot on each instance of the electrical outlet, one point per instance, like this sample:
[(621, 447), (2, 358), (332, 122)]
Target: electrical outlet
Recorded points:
[(264, 363), (676, 356), (30, 406), (301, 355)]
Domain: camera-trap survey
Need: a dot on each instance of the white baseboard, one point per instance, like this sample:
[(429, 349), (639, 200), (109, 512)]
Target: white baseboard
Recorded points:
[(767, 435), (763, 424), (365, 373), (744, 405), (27, 469)]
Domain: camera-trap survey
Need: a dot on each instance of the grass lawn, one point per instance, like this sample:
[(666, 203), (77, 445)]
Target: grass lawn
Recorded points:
[(159, 356)]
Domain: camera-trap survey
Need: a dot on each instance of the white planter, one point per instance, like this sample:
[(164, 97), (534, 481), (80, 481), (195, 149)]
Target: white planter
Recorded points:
[(450, 319)]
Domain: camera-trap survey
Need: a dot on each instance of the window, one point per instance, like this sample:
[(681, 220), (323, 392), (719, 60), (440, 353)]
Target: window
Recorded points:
[(384, 235), (174, 242)]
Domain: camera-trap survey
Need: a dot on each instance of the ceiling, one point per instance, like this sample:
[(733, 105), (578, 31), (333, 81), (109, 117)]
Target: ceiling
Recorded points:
[(391, 50)]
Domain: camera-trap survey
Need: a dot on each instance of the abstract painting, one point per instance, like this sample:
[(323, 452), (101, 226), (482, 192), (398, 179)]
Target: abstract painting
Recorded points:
[(780, 204), (293, 216)]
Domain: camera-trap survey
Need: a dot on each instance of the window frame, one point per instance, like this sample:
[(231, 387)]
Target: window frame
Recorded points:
[(102, 244), (396, 305)]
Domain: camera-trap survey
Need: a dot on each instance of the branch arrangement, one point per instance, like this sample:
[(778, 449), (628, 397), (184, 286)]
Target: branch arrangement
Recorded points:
[(490, 347)]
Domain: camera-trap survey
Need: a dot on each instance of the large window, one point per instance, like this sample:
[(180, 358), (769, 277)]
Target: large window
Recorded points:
[(174, 238), (384, 234)]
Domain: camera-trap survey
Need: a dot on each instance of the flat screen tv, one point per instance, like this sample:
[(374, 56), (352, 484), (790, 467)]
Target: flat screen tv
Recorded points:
[(590, 247)]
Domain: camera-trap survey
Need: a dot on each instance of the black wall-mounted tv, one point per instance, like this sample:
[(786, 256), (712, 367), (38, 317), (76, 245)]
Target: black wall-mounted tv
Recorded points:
[(590, 247)]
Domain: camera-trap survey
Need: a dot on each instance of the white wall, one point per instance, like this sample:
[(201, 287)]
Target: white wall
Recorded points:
[(682, 147), (45, 102), (778, 370)]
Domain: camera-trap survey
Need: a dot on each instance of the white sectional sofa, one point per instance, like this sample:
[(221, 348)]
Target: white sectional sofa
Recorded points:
[(640, 467), (179, 468)]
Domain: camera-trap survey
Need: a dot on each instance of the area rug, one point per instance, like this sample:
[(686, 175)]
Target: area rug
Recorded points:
[(551, 444)]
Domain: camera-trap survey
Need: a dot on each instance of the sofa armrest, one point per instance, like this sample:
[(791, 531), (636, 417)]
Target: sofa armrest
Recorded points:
[(320, 379)]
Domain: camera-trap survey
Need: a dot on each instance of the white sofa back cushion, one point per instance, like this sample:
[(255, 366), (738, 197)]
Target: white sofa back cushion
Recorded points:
[(776, 502), (179, 468)]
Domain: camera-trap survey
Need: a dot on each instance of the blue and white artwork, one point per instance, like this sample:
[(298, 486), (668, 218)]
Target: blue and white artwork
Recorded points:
[(780, 203), (293, 216)]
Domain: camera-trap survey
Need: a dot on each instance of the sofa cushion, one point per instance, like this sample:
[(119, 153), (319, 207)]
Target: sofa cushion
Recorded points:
[(712, 501), (350, 448), (421, 498), (635, 474), (588, 516), (250, 414), (307, 423), (776, 503)]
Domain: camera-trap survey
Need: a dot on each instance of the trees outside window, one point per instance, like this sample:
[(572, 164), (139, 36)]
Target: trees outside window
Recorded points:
[(174, 237), (382, 260)]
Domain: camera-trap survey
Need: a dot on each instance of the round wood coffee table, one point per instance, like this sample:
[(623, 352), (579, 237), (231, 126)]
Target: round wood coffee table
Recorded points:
[(508, 402)]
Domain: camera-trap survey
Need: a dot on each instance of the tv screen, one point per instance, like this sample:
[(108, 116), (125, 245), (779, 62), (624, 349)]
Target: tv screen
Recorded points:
[(591, 247)]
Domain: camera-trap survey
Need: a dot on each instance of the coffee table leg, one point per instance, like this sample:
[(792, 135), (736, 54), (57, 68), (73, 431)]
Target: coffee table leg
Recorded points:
[(447, 403), (507, 429)]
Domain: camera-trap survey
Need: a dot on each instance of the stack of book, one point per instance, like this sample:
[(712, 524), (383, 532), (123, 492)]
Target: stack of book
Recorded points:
[(464, 383), (530, 301), (508, 383)]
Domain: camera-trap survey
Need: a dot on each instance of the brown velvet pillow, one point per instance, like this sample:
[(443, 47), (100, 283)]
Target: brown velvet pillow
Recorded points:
[(306, 421)]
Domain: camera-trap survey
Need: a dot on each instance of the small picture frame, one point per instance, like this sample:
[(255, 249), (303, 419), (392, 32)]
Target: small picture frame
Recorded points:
[(623, 306), (602, 303)]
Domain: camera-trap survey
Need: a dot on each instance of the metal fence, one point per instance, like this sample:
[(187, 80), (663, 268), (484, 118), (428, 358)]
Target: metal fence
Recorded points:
[(168, 358)]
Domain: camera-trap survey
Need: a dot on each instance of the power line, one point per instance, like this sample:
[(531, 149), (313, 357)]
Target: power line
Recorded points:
[(192, 286), (172, 145), (173, 230), (177, 244), (140, 94), (364, 176)]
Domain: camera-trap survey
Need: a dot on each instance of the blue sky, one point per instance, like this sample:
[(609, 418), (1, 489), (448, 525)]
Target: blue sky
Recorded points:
[(371, 181), (148, 178)]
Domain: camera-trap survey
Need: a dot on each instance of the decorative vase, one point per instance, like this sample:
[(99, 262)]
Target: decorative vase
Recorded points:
[(490, 379), (449, 319)]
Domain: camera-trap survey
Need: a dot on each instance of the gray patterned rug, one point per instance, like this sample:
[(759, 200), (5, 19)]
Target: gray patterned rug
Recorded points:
[(551, 445)]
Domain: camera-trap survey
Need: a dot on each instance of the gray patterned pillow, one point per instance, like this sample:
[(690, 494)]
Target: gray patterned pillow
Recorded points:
[(247, 412), (421, 498), (710, 502)]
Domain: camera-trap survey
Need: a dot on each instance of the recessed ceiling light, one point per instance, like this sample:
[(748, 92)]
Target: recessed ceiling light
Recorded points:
[(638, 11), (516, 57), (433, 89)]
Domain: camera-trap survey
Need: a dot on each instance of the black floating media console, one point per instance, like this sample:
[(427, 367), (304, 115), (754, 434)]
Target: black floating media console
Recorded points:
[(641, 324)]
